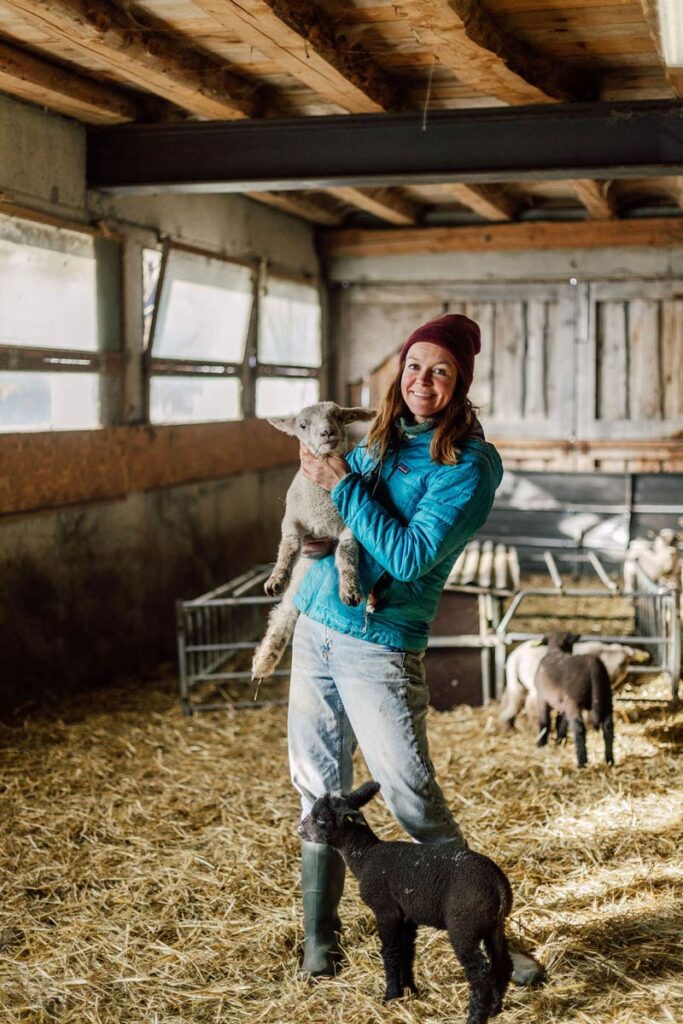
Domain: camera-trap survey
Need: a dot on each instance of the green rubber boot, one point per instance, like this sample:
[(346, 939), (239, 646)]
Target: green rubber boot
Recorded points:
[(322, 884)]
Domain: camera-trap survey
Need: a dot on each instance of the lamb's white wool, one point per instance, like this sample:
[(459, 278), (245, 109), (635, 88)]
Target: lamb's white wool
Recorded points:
[(522, 665), (309, 511), (659, 559)]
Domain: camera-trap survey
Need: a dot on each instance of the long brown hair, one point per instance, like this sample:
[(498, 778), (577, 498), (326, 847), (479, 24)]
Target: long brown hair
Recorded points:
[(453, 427)]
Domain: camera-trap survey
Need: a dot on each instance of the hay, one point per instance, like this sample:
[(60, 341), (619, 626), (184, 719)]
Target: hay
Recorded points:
[(149, 870)]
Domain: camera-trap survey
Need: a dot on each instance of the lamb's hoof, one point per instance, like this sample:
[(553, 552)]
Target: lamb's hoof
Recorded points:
[(351, 596), (507, 725), (274, 586), (525, 970)]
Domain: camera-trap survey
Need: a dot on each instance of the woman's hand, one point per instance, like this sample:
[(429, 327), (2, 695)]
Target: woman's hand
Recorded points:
[(326, 471)]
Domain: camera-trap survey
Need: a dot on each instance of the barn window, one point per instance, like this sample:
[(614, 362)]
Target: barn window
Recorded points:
[(289, 346), (202, 307), (58, 325)]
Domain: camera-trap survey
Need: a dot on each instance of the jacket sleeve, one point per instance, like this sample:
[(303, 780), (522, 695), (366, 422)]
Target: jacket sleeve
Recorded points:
[(456, 503)]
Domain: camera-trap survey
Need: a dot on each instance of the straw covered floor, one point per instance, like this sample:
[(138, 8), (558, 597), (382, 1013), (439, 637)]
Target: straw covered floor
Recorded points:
[(150, 870)]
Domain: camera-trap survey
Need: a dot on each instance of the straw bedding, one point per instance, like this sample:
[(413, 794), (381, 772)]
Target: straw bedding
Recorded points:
[(150, 863)]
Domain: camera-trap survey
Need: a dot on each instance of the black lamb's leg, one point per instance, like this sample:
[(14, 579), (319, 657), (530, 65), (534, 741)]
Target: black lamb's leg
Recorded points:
[(561, 728), (579, 731), (390, 929), (478, 973), (608, 737), (543, 722), (408, 933), (501, 965)]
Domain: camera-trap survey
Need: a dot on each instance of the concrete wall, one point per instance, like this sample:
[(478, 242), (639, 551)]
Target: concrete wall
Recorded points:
[(87, 591)]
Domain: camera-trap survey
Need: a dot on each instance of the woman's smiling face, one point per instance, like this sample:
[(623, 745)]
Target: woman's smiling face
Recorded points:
[(428, 380)]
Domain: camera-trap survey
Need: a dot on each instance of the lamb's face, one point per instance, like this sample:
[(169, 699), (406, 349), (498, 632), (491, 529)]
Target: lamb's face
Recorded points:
[(322, 427), (328, 821)]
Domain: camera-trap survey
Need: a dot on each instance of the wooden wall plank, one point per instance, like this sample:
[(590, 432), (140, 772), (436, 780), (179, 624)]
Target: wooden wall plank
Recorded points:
[(481, 394), (535, 364), (612, 360), (57, 468), (644, 372), (672, 358), (508, 372)]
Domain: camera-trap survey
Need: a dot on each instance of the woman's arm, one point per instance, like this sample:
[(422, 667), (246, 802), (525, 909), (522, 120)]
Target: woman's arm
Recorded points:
[(454, 507)]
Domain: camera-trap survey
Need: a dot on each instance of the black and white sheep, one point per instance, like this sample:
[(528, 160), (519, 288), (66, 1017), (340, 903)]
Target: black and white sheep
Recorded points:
[(522, 664), (309, 512), (569, 684), (405, 884)]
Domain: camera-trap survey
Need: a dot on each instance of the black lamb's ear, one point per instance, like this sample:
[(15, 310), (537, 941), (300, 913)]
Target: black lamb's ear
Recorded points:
[(363, 795), (544, 641)]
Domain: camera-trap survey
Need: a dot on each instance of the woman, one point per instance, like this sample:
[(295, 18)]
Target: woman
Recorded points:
[(413, 495)]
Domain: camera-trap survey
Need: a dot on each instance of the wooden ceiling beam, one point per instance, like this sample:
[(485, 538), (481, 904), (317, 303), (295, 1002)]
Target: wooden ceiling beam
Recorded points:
[(386, 203), (299, 204), (488, 201), (300, 38), (539, 235), (466, 40), (596, 197), (132, 51), (38, 81), (674, 75)]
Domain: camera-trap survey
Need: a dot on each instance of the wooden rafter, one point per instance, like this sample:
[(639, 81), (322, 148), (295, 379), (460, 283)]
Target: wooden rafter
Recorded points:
[(299, 204), (38, 81), (597, 197), (386, 203), (133, 52), (655, 231), (300, 39), (465, 38), (488, 201), (674, 74)]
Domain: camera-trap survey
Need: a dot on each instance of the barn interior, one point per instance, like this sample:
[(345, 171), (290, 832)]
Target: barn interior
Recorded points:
[(214, 212)]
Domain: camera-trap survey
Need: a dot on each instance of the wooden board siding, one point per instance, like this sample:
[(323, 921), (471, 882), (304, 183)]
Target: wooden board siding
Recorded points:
[(637, 362), (563, 367)]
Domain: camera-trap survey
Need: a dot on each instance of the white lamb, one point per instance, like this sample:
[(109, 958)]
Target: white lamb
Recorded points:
[(522, 664), (309, 511)]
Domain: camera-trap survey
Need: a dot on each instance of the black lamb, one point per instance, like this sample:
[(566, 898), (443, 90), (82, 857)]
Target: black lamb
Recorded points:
[(570, 684), (406, 884)]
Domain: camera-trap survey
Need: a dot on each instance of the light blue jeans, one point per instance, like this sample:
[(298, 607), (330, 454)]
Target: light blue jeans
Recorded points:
[(347, 692)]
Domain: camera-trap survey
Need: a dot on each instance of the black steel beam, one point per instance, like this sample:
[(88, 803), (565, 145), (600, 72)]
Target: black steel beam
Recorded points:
[(592, 140)]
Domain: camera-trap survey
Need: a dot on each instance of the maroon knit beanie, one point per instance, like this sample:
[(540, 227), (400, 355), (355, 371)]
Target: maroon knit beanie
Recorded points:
[(458, 335)]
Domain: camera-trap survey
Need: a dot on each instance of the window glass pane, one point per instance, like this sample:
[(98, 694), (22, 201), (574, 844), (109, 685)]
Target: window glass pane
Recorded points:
[(289, 324), (151, 266), (49, 401), (283, 396), (194, 399), (48, 296), (204, 309)]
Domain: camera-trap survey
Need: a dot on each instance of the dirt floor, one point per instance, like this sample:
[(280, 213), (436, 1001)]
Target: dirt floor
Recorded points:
[(149, 870)]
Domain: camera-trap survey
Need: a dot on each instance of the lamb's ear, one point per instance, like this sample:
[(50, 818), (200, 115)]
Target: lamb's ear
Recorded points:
[(543, 642), (362, 795), (287, 424), (354, 413)]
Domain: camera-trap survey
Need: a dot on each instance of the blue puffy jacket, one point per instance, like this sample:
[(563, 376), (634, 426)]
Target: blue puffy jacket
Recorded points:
[(412, 518)]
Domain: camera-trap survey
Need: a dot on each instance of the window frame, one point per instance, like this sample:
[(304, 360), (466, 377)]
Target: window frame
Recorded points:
[(107, 362), (291, 370)]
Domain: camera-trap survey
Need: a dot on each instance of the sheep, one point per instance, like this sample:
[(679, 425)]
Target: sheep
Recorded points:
[(570, 683), (443, 885), (659, 559), (309, 511), (522, 664)]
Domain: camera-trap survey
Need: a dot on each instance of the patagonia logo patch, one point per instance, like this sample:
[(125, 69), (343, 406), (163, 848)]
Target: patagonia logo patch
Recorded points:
[(402, 468)]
